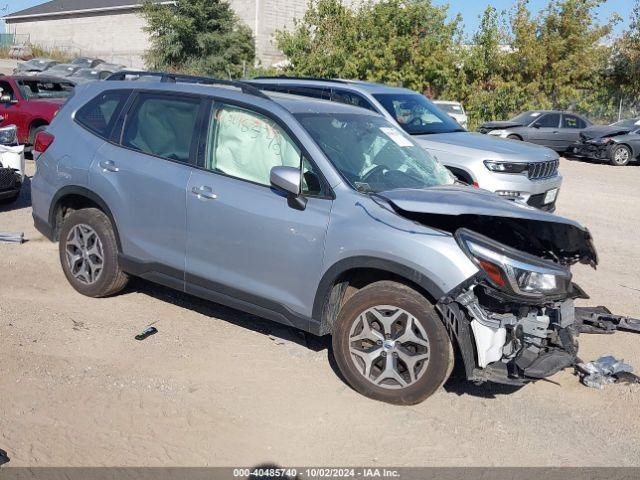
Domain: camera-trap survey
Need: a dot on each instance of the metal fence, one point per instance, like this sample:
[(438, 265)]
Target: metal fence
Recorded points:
[(9, 39)]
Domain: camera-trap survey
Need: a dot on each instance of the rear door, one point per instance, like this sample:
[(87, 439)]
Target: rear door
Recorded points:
[(143, 174), (545, 131), (570, 130), (246, 242)]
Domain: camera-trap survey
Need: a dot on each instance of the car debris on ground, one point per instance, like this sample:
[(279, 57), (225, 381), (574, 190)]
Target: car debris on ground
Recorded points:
[(604, 371), (601, 320), (6, 237), (146, 333)]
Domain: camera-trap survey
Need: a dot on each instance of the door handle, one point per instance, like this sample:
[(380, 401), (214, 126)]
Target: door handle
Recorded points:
[(204, 192), (108, 166)]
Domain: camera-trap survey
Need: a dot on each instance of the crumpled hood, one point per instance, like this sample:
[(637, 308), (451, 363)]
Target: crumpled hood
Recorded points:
[(490, 147), (601, 131), (450, 207)]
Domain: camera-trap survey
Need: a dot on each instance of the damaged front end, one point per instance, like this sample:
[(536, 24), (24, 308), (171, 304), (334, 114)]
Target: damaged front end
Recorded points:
[(514, 321), (520, 312)]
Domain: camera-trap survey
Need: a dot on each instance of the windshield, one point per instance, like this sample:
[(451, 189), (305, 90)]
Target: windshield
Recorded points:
[(525, 118), (64, 69), (454, 108), (417, 115), (34, 89), (82, 62), (86, 73), (35, 63), (372, 154), (629, 123)]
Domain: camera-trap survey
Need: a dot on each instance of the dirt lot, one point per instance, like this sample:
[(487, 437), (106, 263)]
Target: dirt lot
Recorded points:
[(218, 387)]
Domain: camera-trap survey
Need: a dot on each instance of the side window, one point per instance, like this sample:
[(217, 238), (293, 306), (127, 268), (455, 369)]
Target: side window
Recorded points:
[(247, 145), (550, 120), (571, 121), (99, 114), (351, 98), (162, 125), (7, 90)]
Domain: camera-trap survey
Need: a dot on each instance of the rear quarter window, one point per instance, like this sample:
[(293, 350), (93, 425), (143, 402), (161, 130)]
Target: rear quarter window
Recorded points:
[(100, 114)]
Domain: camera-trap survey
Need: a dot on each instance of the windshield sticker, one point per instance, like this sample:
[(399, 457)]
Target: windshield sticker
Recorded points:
[(397, 137)]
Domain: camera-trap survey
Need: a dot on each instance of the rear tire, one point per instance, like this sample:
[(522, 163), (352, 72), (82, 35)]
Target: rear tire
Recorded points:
[(89, 254), (390, 344), (620, 155)]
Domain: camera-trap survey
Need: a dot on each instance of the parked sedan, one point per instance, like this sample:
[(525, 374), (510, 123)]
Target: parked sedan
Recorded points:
[(618, 143), (33, 66), (61, 70), (550, 128)]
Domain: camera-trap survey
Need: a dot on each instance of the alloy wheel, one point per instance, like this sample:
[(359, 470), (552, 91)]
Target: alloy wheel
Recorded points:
[(621, 156), (389, 347), (85, 257)]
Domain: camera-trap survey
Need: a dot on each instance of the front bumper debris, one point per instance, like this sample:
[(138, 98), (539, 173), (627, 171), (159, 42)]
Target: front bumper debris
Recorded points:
[(510, 343), (590, 150), (601, 320)]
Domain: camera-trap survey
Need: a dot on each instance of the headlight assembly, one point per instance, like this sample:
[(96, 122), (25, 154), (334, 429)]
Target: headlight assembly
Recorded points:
[(515, 272), (506, 167)]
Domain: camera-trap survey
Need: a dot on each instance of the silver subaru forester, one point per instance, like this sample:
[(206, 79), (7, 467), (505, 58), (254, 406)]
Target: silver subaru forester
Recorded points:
[(319, 215)]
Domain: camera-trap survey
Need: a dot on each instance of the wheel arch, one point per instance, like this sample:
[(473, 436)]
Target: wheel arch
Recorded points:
[(76, 197), (36, 122), (356, 272)]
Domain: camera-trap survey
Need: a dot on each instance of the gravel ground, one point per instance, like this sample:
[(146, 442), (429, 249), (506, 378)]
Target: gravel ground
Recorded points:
[(219, 387)]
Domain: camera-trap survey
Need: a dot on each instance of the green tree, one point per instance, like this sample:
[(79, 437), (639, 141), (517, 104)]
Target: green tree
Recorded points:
[(626, 58), (398, 42), (198, 36)]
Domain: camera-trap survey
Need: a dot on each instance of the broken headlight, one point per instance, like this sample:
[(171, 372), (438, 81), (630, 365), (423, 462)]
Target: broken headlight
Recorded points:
[(512, 271)]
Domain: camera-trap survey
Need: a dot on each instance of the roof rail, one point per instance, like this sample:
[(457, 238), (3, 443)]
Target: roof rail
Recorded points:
[(165, 77), (285, 77)]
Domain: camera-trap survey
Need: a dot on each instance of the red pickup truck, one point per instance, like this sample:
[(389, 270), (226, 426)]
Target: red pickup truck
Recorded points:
[(30, 103)]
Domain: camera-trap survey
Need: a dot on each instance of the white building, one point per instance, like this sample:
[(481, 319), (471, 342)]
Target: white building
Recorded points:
[(113, 29)]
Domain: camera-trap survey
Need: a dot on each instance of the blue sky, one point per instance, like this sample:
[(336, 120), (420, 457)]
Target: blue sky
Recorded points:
[(470, 9)]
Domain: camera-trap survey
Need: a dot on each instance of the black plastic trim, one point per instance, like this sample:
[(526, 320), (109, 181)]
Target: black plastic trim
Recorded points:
[(351, 263)]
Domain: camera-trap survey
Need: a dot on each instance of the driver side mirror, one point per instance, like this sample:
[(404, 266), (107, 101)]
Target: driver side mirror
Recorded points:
[(288, 179)]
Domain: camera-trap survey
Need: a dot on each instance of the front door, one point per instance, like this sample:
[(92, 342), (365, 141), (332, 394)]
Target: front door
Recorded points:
[(144, 179), (545, 131), (245, 242), (10, 113)]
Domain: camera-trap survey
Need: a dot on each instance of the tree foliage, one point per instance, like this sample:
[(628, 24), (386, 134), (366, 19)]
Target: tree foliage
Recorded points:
[(198, 36), (560, 57)]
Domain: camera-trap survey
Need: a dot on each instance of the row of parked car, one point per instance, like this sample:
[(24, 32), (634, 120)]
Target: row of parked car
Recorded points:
[(320, 204), (79, 70)]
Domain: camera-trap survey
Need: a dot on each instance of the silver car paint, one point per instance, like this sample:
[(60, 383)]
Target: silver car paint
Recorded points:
[(247, 238)]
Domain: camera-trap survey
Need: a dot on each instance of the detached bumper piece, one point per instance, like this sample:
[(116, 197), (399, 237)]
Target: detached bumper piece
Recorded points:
[(9, 183), (600, 320)]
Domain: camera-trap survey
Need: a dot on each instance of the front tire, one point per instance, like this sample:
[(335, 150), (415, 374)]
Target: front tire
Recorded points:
[(390, 344), (514, 137), (620, 155), (89, 254)]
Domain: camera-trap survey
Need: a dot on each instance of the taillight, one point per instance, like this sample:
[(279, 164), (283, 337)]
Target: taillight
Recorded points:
[(42, 142)]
